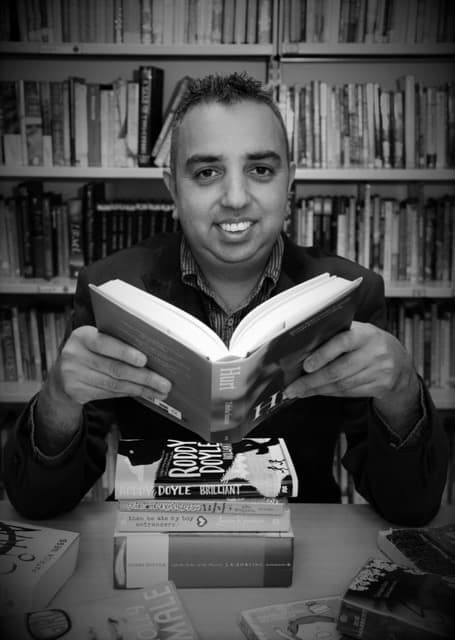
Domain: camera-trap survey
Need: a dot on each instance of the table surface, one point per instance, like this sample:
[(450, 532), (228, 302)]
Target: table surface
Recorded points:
[(332, 541)]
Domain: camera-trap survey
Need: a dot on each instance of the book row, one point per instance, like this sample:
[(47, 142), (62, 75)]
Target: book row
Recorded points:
[(76, 123), (404, 240), (139, 21), (30, 338), (367, 125), (50, 123), (366, 21), (44, 236), (427, 330)]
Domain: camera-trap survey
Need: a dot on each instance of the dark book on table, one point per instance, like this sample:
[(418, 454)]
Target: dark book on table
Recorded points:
[(425, 548), (236, 387), (387, 600), (253, 467)]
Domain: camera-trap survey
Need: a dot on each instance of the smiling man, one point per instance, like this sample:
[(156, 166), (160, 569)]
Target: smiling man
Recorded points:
[(230, 178)]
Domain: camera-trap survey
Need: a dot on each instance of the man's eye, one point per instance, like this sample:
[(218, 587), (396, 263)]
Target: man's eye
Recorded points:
[(262, 172), (206, 174)]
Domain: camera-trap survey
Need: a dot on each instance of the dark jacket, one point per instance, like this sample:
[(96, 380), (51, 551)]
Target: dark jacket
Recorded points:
[(403, 484)]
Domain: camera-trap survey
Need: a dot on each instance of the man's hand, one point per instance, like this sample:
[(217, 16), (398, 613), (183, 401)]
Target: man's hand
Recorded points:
[(364, 361), (91, 366), (95, 366)]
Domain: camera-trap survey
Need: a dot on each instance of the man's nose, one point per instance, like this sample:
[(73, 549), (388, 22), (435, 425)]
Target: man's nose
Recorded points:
[(235, 192)]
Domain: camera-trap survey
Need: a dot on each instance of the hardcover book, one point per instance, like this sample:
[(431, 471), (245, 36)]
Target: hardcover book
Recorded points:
[(309, 619), (253, 467), (426, 548), (142, 522), (155, 612), (35, 562), (203, 559), (387, 600), (238, 387)]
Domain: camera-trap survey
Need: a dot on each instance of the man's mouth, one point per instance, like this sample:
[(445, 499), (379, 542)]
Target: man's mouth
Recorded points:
[(236, 227)]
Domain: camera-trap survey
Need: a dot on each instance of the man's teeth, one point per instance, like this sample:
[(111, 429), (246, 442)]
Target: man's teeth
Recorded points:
[(232, 227)]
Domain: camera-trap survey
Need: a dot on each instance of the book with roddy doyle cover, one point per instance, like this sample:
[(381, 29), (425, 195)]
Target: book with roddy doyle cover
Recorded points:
[(253, 467), (153, 612), (237, 387)]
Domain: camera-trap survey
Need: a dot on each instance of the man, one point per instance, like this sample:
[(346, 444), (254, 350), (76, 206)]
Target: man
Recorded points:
[(230, 177)]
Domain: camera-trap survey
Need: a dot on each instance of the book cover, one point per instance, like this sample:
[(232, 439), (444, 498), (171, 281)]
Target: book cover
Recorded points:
[(154, 612), (309, 619), (35, 563), (429, 549), (238, 387), (203, 559), (246, 506), (253, 467), (139, 521), (387, 600)]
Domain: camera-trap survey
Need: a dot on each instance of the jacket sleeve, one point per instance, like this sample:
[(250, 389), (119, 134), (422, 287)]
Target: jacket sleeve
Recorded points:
[(404, 483), (39, 486)]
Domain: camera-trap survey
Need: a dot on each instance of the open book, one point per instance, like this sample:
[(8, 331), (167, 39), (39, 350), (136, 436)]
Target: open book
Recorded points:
[(222, 393)]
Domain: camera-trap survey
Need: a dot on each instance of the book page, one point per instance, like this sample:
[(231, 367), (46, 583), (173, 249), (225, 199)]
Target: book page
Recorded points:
[(166, 317), (286, 311)]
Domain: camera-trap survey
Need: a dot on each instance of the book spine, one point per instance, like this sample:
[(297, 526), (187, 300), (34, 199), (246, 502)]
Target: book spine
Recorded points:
[(264, 507), (150, 112), (75, 217), (169, 491), (203, 560), (142, 522)]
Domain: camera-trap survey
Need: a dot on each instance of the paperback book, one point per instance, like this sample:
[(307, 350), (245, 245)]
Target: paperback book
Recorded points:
[(203, 559), (35, 562), (238, 506), (239, 386), (387, 600), (142, 522), (253, 467), (309, 619), (155, 612), (426, 548)]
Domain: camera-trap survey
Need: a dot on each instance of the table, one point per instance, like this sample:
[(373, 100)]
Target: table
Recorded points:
[(332, 541)]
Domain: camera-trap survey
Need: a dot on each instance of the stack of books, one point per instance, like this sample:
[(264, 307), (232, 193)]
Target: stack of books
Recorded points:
[(204, 514)]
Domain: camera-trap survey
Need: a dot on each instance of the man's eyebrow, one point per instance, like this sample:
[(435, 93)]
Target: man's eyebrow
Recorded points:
[(200, 158)]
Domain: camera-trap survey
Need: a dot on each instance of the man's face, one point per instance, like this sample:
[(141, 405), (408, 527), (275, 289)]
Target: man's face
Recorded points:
[(231, 182)]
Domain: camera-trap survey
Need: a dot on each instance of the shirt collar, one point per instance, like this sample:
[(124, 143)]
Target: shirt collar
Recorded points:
[(192, 274)]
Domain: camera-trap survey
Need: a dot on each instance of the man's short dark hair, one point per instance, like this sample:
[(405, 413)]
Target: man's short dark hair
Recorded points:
[(227, 90)]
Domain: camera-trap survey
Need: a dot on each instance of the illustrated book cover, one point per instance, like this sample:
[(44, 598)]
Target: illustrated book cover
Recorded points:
[(203, 559), (35, 562), (310, 619), (154, 612), (253, 467), (238, 387), (387, 600), (426, 548)]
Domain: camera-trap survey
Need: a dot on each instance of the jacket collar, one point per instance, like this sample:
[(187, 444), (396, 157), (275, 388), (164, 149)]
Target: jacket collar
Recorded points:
[(163, 278)]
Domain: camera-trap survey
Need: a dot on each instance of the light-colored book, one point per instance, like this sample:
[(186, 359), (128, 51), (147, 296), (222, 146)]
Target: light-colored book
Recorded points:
[(35, 562)]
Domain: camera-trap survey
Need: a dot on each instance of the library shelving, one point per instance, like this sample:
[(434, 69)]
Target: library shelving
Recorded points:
[(291, 53)]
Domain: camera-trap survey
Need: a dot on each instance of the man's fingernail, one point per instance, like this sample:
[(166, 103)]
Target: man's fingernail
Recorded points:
[(289, 394), (309, 365)]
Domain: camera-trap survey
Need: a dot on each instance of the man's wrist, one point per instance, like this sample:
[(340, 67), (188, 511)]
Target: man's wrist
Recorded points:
[(401, 410), (57, 418)]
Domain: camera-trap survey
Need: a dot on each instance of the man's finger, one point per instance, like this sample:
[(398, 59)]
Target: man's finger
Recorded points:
[(330, 350), (112, 348)]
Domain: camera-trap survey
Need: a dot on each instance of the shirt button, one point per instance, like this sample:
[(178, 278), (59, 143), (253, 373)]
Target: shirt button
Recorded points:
[(230, 322)]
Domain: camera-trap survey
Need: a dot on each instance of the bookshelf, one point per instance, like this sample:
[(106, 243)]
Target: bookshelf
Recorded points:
[(280, 60)]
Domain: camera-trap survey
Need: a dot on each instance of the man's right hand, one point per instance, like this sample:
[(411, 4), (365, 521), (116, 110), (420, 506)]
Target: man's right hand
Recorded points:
[(90, 366), (95, 366)]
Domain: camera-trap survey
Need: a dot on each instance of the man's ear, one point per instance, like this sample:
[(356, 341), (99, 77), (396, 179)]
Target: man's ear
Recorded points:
[(170, 184)]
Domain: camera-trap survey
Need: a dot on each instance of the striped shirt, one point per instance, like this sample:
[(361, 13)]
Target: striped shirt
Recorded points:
[(221, 320)]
